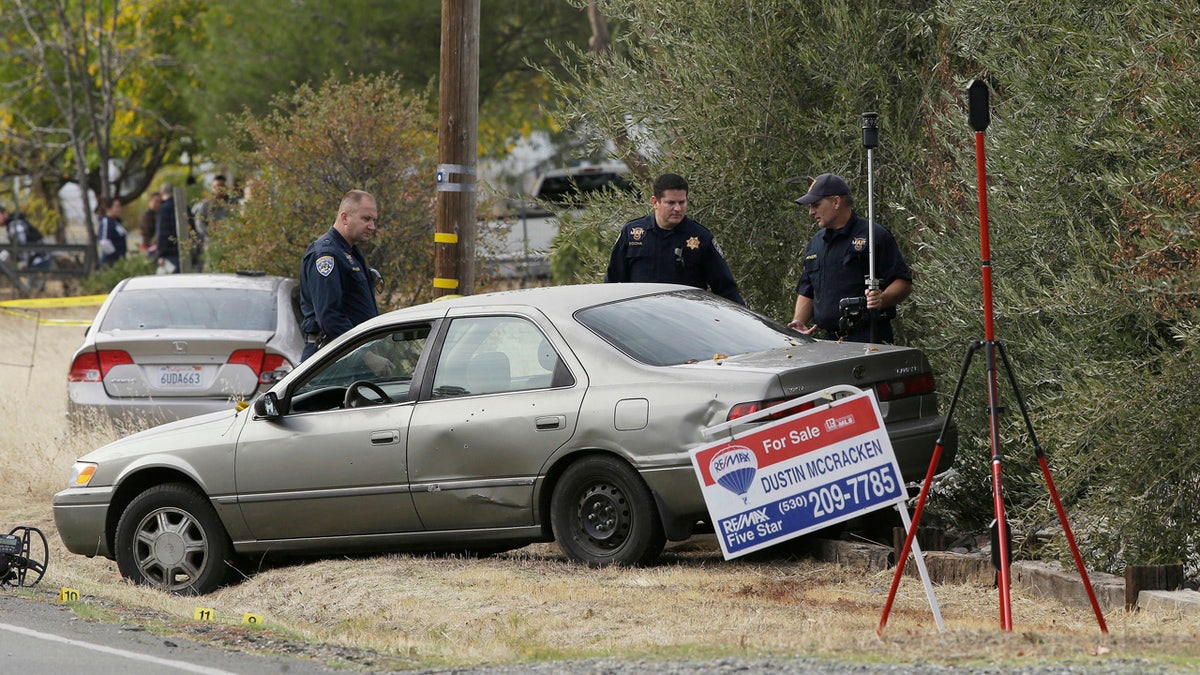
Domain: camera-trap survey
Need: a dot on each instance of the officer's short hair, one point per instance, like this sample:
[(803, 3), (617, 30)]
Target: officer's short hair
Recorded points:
[(669, 181), (353, 200)]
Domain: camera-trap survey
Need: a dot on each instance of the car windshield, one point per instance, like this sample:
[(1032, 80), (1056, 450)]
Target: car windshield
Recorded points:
[(205, 308), (685, 327)]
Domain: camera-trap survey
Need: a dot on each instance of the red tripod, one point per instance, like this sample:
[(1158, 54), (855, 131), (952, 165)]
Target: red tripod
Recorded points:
[(979, 119)]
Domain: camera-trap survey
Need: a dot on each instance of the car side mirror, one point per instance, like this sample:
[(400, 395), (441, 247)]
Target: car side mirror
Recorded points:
[(267, 406)]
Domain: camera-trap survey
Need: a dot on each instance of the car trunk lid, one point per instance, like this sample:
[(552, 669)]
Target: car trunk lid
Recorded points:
[(185, 363)]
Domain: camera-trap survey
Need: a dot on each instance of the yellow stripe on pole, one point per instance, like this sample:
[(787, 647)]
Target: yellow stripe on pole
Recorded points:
[(47, 303), (445, 238), (445, 283)]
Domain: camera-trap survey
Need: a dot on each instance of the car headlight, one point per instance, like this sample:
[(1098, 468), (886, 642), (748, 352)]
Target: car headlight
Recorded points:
[(81, 474)]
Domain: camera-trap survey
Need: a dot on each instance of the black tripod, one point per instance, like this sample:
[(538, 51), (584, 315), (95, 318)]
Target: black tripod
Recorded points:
[(979, 119)]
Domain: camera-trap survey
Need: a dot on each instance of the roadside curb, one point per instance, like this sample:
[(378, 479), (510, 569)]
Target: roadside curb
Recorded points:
[(1047, 580)]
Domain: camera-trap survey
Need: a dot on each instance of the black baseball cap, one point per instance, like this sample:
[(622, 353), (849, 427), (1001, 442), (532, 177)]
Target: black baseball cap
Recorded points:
[(825, 185)]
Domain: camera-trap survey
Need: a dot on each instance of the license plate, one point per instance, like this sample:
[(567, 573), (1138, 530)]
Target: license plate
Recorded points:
[(180, 377)]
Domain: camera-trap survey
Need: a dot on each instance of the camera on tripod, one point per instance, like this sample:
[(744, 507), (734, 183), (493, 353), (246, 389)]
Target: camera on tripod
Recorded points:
[(853, 311)]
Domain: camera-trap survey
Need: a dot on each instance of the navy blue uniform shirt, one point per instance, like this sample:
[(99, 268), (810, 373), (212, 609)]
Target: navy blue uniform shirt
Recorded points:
[(686, 255), (168, 238), (836, 265), (336, 290)]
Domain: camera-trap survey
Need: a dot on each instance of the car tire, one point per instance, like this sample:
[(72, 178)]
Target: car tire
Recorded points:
[(602, 514), (169, 537)]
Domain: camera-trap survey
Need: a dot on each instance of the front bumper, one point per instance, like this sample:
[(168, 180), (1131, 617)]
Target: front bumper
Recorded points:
[(80, 514)]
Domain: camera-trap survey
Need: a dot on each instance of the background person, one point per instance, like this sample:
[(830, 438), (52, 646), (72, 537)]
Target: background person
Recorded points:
[(668, 247), (146, 224), (110, 233), (167, 237), (207, 215), (22, 233), (837, 263), (336, 285)]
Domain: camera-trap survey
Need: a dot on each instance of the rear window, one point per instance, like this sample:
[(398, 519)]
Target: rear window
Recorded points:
[(204, 308), (685, 327), (574, 189)]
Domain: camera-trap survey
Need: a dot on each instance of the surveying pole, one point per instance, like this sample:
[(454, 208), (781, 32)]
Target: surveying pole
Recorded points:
[(870, 131)]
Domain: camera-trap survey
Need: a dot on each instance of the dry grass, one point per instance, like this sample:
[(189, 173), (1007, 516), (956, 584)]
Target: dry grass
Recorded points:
[(531, 604)]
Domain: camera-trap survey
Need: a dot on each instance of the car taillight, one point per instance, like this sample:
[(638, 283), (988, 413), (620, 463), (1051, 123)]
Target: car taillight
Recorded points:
[(743, 409), (274, 368), (251, 358), (94, 366), (908, 386), (266, 366)]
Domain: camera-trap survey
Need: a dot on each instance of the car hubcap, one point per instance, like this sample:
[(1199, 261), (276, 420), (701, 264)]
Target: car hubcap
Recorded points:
[(171, 548), (604, 515)]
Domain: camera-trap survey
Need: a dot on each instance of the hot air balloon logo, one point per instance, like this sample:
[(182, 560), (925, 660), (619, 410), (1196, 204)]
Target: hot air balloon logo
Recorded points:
[(734, 468)]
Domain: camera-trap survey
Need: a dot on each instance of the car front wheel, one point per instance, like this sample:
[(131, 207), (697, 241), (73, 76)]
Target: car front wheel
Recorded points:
[(602, 513), (170, 537)]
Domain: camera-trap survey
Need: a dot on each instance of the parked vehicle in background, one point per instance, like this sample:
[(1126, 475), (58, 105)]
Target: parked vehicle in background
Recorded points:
[(517, 244), (560, 413), (165, 347)]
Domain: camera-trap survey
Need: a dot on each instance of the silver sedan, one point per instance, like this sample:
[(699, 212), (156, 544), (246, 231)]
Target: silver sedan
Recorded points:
[(163, 348), (476, 424)]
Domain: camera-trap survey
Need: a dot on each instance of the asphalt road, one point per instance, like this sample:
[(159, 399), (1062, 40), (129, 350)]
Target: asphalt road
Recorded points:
[(40, 637)]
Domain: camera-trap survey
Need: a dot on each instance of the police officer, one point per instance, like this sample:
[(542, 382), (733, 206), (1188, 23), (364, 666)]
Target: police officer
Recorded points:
[(668, 247), (837, 264), (336, 285)]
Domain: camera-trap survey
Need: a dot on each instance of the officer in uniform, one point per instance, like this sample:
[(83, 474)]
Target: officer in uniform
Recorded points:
[(668, 247), (837, 264), (336, 285)]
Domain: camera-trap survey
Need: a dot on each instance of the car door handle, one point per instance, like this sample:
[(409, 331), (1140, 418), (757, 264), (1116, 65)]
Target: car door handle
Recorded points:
[(550, 422), (385, 437)]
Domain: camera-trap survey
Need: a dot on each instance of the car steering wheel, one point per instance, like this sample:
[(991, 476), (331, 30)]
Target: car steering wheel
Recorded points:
[(354, 397)]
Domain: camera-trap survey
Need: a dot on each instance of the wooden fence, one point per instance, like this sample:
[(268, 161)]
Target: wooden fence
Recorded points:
[(67, 261)]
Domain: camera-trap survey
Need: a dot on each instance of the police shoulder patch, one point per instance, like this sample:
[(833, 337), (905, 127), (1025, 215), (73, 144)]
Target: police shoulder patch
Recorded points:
[(325, 265)]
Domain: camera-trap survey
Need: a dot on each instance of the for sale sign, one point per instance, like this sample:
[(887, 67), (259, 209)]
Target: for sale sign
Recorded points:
[(799, 474)]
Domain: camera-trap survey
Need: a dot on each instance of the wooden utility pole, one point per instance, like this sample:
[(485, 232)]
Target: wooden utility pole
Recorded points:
[(458, 120)]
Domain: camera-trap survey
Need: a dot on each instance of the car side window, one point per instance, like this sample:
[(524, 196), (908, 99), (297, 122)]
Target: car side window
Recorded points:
[(386, 360), (492, 355)]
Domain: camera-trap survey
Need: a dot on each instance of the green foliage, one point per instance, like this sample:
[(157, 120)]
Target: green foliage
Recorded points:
[(105, 279), (580, 251), (310, 151), (1093, 212), (90, 91), (1092, 202), (745, 119), (257, 48)]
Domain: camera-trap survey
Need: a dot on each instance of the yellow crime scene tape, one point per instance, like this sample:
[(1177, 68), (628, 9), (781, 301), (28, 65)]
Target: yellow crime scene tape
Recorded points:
[(8, 307)]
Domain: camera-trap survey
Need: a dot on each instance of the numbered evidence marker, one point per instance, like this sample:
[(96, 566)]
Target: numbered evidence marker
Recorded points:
[(797, 475), (252, 619), (68, 595), (204, 614)]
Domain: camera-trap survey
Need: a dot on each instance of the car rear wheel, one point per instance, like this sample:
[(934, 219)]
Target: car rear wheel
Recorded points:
[(170, 537), (602, 513)]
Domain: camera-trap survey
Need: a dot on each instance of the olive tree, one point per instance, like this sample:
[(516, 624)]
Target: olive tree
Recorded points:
[(1091, 161), (298, 162)]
